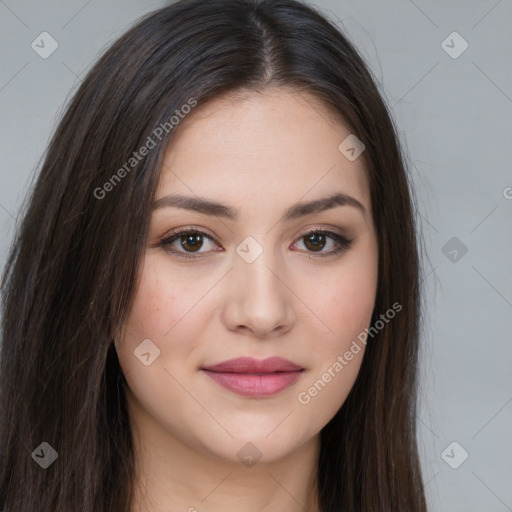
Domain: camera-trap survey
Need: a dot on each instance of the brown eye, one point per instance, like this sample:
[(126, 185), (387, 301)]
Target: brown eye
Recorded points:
[(315, 241), (185, 242), (192, 242)]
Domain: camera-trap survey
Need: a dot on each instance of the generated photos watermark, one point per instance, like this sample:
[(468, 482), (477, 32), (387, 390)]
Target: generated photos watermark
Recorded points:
[(137, 156), (304, 397)]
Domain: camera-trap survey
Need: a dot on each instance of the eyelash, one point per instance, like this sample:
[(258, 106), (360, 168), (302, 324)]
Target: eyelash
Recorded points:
[(343, 242)]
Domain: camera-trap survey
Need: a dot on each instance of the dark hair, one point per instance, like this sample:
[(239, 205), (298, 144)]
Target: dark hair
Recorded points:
[(71, 273)]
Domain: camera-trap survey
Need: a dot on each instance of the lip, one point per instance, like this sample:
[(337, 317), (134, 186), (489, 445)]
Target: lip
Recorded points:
[(251, 365), (255, 378)]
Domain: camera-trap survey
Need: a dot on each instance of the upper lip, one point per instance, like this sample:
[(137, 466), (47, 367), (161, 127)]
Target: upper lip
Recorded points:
[(251, 365)]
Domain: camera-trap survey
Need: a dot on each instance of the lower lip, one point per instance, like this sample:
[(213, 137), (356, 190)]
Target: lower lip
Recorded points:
[(255, 385)]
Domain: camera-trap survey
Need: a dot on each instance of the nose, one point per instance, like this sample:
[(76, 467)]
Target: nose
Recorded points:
[(258, 300)]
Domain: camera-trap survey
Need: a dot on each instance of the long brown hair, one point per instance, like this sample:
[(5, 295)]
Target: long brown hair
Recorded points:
[(71, 273)]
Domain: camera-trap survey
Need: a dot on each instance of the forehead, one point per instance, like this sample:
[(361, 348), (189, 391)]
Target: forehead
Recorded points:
[(261, 148)]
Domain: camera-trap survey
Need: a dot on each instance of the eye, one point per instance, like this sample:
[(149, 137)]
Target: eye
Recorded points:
[(186, 242), (188, 239), (317, 239)]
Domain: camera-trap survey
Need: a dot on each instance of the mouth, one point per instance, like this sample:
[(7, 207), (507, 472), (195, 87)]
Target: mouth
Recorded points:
[(255, 378)]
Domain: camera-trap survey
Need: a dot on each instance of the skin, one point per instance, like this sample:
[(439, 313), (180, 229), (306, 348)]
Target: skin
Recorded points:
[(259, 153)]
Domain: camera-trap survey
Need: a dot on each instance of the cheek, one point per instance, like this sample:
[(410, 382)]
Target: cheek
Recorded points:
[(338, 355), (352, 302), (158, 313), (164, 302), (165, 310), (343, 299), (358, 288)]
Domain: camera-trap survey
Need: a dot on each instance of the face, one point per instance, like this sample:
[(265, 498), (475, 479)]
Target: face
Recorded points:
[(257, 277)]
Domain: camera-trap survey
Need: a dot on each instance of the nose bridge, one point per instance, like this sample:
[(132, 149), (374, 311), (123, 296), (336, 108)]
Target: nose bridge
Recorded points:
[(260, 296), (255, 268)]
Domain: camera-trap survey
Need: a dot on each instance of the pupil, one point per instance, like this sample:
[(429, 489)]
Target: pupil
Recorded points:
[(317, 240), (193, 240)]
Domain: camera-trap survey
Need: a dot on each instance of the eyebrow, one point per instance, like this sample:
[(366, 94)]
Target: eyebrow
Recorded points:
[(301, 209)]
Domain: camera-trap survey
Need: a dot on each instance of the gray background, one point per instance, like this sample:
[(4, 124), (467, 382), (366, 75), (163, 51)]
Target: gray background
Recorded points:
[(454, 116)]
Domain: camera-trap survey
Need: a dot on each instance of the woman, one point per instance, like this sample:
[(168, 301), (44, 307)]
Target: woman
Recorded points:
[(213, 302)]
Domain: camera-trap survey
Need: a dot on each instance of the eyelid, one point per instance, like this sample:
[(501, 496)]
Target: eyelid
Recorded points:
[(320, 227), (336, 234), (304, 230), (189, 229)]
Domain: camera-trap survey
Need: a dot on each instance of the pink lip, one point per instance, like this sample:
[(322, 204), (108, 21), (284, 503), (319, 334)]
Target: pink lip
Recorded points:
[(255, 378)]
